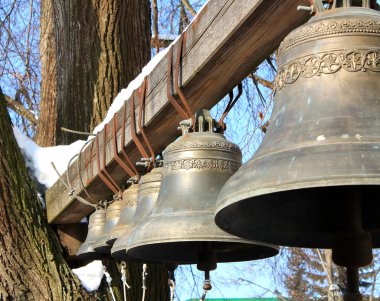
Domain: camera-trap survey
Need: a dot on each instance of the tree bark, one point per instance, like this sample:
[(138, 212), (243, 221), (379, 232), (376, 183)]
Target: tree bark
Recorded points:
[(101, 46), (47, 122), (31, 263)]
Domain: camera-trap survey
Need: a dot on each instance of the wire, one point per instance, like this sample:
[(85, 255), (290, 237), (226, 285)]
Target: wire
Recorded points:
[(77, 132), (80, 199)]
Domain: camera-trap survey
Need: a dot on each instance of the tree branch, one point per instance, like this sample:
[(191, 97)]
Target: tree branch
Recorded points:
[(20, 109), (189, 7), (155, 40), (262, 81)]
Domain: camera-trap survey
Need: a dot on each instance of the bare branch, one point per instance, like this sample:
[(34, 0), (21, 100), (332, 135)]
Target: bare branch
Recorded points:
[(189, 7), (20, 109), (162, 42), (155, 39), (262, 81)]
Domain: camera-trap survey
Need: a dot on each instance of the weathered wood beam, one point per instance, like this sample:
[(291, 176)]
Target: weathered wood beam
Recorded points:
[(224, 44)]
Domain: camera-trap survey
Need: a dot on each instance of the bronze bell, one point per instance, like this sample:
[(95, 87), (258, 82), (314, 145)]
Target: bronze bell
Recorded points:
[(129, 203), (180, 227), (314, 181), (95, 226), (149, 187), (113, 213)]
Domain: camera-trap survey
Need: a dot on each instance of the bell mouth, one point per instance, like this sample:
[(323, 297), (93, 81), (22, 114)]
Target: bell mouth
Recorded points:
[(104, 248), (87, 253), (187, 252), (306, 217)]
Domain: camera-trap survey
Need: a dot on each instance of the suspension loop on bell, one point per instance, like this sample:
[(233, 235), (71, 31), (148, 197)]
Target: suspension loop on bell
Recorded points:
[(142, 98), (112, 180), (169, 93), (230, 105), (135, 138), (118, 159), (177, 86), (79, 168), (106, 181)]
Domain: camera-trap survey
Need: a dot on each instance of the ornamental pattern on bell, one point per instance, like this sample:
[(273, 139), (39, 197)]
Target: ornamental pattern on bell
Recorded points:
[(220, 145), (313, 31), (205, 164), (327, 63)]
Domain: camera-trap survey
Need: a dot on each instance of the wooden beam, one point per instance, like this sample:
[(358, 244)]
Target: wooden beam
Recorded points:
[(228, 39)]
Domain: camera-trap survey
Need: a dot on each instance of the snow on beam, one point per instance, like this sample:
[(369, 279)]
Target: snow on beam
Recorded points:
[(226, 41)]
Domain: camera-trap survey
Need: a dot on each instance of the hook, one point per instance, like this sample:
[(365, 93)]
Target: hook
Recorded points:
[(100, 170), (140, 125), (230, 104), (178, 88), (169, 93), (118, 159), (133, 128)]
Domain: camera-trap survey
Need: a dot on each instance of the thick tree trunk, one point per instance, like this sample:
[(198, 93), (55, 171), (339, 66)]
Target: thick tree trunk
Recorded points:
[(101, 46), (31, 263)]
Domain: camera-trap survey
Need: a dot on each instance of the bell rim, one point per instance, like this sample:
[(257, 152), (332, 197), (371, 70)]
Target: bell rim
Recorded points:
[(268, 250)]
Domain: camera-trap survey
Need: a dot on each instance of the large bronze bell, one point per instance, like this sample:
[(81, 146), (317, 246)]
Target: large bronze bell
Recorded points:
[(149, 187), (95, 227), (180, 227), (314, 181), (129, 203), (113, 213)]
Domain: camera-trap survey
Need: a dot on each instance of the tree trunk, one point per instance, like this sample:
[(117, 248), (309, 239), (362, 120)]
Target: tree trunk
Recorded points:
[(31, 263), (101, 46), (47, 121)]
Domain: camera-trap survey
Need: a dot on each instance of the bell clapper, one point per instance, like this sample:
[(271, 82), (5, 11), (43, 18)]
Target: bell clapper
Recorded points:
[(207, 262), (206, 285), (353, 248)]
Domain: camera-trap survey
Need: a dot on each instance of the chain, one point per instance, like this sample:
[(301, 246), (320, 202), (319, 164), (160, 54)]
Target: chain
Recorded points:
[(124, 279)]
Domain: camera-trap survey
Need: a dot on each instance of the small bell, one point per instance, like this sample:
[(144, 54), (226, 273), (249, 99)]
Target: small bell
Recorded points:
[(95, 225), (149, 187), (112, 218), (129, 203)]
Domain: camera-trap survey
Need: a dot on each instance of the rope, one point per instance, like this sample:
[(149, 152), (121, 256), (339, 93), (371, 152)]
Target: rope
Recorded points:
[(109, 280), (172, 289), (124, 279), (144, 274)]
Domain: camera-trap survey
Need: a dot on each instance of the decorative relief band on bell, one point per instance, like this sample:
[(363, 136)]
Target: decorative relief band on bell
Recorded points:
[(319, 29), (205, 164), (148, 178), (220, 145), (147, 191), (327, 63)]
